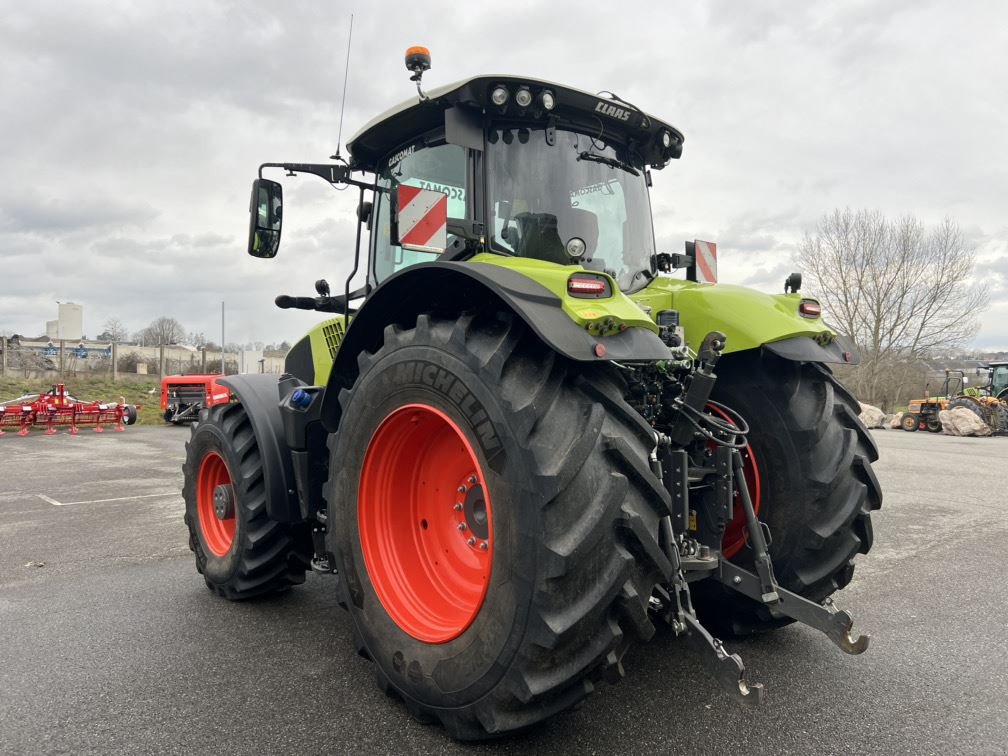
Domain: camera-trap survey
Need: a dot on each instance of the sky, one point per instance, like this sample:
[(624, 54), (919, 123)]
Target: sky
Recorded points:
[(132, 132)]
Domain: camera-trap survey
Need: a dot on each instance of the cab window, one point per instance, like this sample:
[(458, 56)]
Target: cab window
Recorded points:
[(999, 380), (441, 168)]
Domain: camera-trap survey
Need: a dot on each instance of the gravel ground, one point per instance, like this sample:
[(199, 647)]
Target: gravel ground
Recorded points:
[(109, 641)]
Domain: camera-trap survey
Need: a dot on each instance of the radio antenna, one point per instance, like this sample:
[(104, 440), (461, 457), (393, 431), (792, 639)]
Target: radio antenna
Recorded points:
[(346, 72)]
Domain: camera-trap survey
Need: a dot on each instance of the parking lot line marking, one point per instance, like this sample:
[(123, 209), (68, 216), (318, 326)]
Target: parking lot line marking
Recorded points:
[(104, 501), (125, 498)]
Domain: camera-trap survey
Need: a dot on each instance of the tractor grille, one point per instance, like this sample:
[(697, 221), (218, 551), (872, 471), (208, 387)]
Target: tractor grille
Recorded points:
[(333, 332)]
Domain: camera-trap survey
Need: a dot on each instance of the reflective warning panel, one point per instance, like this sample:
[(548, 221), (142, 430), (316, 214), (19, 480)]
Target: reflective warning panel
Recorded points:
[(422, 219), (706, 261)]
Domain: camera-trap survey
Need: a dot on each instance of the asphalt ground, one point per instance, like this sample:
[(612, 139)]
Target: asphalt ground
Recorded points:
[(111, 643)]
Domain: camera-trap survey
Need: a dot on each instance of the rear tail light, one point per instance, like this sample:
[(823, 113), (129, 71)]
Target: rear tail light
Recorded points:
[(587, 286), (809, 308)]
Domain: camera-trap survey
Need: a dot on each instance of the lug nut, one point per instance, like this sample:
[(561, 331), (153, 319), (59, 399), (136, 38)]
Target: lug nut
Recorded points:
[(462, 489), (458, 506), (472, 480), (471, 541), (484, 546), (461, 526)]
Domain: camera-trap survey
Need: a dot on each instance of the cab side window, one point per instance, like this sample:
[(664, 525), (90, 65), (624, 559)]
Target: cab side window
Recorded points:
[(999, 380), (441, 168)]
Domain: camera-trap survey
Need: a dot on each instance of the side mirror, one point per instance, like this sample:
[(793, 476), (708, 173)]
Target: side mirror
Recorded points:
[(420, 219), (364, 212), (265, 217)]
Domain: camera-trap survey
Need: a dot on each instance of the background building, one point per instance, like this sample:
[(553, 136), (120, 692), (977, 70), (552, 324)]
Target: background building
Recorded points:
[(69, 324)]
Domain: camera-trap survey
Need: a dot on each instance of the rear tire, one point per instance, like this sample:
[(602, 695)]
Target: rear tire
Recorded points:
[(575, 514), (817, 488), (243, 553)]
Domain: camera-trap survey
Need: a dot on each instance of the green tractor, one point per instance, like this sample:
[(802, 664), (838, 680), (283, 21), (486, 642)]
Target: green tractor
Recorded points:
[(518, 446), (989, 400)]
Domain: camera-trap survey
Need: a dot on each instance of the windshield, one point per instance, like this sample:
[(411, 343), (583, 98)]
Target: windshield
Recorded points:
[(541, 196)]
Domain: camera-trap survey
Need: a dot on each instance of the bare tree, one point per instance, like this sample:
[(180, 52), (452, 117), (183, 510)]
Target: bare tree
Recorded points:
[(902, 291), (164, 330), (113, 330)]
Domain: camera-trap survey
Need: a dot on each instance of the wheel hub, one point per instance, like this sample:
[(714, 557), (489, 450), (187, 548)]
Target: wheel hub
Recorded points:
[(215, 504), (223, 501), (470, 510)]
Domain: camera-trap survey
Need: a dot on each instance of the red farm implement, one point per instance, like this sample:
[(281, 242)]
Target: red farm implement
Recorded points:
[(57, 409), (183, 396)]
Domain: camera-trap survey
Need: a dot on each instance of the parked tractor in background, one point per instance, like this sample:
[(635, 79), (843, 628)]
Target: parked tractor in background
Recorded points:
[(518, 444), (989, 401), (922, 414)]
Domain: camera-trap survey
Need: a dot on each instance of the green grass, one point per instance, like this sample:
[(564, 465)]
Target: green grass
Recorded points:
[(94, 389)]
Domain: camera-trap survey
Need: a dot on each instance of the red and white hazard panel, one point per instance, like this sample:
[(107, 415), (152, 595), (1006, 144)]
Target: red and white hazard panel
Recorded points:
[(706, 261), (423, 219)]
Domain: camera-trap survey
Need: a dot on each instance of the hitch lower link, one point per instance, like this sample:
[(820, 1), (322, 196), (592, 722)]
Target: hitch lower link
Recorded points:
[(834, 623), (761, 586)]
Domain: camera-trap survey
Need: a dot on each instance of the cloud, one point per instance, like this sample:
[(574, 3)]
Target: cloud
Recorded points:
[(27, 212), (132, 132)]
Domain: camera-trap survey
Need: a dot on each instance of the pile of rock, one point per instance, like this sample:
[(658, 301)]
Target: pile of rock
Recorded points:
[(873, 417), (960, 421)]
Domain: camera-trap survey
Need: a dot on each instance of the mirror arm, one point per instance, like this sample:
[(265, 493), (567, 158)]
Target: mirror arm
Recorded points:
[(334, 174)]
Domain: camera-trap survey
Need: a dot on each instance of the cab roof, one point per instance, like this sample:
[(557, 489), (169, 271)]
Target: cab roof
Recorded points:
[(611, 118)]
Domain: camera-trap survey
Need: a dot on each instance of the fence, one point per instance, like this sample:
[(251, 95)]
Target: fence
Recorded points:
[(42, 359)]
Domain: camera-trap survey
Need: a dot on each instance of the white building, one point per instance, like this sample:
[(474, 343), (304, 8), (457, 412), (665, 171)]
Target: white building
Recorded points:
[(69, 325)]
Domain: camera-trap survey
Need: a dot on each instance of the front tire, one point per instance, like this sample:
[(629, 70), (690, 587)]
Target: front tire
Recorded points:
[(817, 488), (239, 550), (548, 610)]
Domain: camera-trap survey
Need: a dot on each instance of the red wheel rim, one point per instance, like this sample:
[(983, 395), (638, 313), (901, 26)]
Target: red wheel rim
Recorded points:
[(426, 527), (736, 532), (218, 532)]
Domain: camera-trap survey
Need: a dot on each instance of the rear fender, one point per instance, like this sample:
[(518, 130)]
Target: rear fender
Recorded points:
[(453, 287), (260, 395), (749, 319)]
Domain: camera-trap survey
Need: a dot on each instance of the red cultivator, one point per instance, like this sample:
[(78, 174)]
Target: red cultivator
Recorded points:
[(57, 409)]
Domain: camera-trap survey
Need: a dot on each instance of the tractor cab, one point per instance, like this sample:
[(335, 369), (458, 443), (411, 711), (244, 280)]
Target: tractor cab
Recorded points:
[(998, 379), (504, 165), (529, 169)]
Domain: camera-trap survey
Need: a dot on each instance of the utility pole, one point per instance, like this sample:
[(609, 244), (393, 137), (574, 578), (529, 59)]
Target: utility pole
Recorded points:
[(222, 372)]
